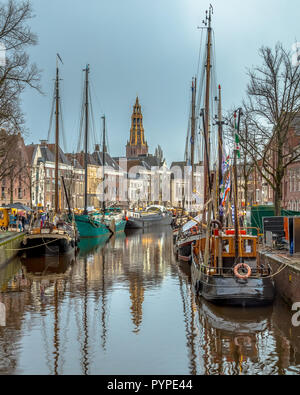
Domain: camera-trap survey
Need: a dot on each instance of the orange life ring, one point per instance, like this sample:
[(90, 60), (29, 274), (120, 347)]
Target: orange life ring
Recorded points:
[(242, 276)]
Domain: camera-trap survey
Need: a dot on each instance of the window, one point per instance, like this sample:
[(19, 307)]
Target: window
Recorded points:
[(3, 193)]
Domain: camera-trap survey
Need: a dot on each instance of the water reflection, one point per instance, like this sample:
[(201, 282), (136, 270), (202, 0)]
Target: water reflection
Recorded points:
[(125, 306)]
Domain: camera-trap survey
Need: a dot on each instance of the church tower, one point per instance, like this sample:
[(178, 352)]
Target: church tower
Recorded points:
[(137, 144)]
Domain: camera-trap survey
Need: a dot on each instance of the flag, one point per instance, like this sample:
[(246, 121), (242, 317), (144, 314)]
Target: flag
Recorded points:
[(225, 191), (225, 164)]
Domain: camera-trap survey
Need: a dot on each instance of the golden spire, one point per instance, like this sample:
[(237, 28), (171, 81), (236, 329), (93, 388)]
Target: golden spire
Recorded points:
[(137, 144)]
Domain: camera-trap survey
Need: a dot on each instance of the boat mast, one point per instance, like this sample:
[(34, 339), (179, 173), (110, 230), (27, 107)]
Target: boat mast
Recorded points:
[(86, 70), (103, 164), (56, 136), (236, 219), (207, 23), (193, 128), (220, 151)]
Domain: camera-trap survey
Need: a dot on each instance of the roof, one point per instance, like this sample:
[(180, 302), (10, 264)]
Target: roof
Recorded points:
[(147, 161), (108, 160), (62, 158), (182, 164), (30, 150), (47, 153)]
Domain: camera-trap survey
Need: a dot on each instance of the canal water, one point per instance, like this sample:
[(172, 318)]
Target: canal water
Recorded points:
[(125, 306)]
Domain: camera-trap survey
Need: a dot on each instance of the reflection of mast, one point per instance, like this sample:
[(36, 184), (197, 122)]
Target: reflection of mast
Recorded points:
[(189, 331), (103, 315), (56, 330), (85, 361)]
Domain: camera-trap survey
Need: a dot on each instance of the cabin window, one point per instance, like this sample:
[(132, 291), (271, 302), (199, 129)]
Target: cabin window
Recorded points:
[(248, 246), (1, 215), (226, 246)]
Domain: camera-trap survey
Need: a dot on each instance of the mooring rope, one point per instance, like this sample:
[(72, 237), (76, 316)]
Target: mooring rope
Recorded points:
[(28, 248)]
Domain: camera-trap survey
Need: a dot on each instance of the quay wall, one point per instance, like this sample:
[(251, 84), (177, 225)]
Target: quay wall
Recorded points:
[(9, 247), (287, 282)]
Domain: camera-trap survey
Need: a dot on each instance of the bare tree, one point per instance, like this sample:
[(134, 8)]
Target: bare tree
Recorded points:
[(17, 73), (246, 162), (273, 103)]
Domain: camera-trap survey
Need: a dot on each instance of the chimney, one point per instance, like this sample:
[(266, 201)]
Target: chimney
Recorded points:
[(43, 143)]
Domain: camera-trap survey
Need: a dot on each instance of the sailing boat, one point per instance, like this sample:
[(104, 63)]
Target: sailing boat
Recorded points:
[(113, 217), (225, 264), (188, 233), (55, 235), (89, 225)]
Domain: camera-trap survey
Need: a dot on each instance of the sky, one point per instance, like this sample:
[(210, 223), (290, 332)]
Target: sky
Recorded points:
[(147, 48)]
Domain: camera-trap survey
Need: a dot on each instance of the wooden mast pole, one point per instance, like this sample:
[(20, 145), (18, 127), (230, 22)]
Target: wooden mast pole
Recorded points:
[(87, 69), (193, 129), (207, 100), (103, 165), (206, 124), (56, 136), (220, 152), (236, 219)]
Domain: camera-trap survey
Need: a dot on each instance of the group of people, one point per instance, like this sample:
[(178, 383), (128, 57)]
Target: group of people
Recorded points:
[(19, 221)]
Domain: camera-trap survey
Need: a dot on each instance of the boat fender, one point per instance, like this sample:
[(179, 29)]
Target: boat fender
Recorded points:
[(238, 267)]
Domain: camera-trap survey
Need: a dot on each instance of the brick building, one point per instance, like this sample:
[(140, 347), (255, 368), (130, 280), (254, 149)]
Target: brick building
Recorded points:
[(15, 170)]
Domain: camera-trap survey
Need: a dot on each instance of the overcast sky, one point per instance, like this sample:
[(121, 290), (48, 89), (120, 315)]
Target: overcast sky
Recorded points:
[(147, 48)]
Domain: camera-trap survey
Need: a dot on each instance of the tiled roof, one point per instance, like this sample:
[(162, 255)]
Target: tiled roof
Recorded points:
[(108, 160)]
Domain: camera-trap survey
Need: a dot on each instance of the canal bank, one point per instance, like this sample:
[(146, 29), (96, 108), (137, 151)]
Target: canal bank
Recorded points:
[(287, 270), (9, 246)]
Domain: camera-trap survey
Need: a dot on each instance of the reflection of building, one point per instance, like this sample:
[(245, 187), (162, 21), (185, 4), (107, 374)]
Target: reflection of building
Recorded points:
[(136, 290)]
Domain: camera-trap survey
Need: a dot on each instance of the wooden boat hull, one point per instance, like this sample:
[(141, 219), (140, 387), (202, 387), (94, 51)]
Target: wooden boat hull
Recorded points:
[(120, 226), (47, 244), (90, 228), (116, 226), (231, 291), (184, 248), (148, 221), (185, 253)]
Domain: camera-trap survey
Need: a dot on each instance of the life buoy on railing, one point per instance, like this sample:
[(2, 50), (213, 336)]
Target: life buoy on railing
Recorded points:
[(238, 267)]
